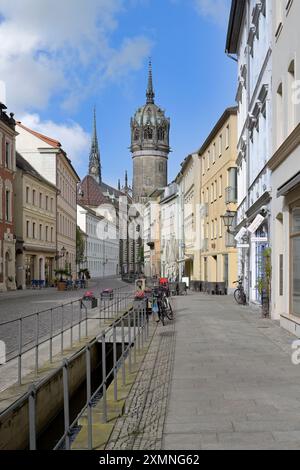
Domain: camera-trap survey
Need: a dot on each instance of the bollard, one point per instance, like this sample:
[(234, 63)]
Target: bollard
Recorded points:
[(104, 378), (115, 363), (20, 351), (66, 403), (88, 397), (32, 417), (86, 323)]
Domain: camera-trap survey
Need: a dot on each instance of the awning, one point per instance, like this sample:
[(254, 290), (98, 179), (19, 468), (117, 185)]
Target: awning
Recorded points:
[(289, 186)]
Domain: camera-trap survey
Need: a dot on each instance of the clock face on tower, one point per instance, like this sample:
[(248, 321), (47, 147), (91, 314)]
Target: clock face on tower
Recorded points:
[(94, 170)]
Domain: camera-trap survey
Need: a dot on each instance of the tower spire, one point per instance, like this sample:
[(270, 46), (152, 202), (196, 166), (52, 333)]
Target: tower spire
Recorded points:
[(150, 90), (126, 179), (94, 161)]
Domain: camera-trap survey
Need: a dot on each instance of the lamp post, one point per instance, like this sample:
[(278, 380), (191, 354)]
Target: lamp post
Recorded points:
[(228, 219)]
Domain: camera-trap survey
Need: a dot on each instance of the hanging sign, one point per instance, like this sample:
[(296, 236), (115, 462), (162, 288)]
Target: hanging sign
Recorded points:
[(256, 224), (241, 234)]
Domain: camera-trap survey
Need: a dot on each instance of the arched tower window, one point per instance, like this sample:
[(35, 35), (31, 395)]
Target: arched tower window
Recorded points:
[(161, 134), (136, 134), (148, 133)]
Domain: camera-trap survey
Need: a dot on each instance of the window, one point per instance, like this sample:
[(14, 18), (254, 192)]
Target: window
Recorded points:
[(220, 145), (279, 114), (41, 232), (46, 233), (221, 223), (46, 203), (27, 195), (33, 197), (212, 230), (208, 160), (291, 97), (220, 186), (215, 190), (7, 206), (33, 231), (214, 153), (216, 228), (212, 193), (41, 201), (7, 154), (161, 134), (27, 229), (295, 254), (227, 137)]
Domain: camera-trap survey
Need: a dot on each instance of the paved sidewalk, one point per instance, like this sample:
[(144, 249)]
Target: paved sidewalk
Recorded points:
[(234, 386)]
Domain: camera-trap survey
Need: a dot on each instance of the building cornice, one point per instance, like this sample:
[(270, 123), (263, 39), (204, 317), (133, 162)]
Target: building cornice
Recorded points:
[(235, 24), (288, 146)]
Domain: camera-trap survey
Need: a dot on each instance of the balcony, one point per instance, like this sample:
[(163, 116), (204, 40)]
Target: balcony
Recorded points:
[(230, 195), (230, 240)]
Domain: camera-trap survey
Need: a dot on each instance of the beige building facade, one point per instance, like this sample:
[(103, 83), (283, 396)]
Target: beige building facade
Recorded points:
[(35, 227), (219, 263), (48, 158), (285, 166)]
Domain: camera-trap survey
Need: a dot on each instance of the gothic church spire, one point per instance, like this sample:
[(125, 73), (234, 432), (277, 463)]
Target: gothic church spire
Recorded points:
[(150, 90), (94, 161)]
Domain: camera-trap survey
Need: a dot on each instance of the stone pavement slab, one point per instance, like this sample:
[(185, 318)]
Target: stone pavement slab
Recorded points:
[(234, 385)]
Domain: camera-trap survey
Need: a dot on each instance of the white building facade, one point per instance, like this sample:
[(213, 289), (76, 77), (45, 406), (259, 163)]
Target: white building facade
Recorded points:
[(285, 166), (169, 209), (250, 40), (102, 245)]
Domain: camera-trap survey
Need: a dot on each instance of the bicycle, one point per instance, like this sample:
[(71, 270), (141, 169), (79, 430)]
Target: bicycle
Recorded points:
[(239, 294), (164, 308)]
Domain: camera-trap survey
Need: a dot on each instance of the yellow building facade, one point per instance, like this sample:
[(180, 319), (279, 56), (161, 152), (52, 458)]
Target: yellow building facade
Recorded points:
[(218, 193)]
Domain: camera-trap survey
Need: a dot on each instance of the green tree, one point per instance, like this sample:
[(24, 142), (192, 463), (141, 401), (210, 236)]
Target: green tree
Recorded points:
[(80, 246)]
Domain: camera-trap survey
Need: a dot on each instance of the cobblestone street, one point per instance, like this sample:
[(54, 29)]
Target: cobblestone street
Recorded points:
[(22, 303), (220, 378)]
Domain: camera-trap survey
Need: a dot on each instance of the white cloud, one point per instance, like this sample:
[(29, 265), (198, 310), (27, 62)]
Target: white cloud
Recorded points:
[(75, 141), (215, 10), (62, 46)]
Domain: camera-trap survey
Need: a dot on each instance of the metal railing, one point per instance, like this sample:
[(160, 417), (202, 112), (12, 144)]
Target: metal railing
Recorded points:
[(55, 328), (131, 343)]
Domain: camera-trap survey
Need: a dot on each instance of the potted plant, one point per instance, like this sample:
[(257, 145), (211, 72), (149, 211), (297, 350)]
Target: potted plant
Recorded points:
[(61, 283)]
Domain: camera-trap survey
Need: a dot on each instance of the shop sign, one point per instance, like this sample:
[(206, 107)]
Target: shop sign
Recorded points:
[(256, 224)]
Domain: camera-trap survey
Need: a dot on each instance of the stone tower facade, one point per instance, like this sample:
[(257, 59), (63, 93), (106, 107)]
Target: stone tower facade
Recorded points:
[(94, 160), (150, 132)]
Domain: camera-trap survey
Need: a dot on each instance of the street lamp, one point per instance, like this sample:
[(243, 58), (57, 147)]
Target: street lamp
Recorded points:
[(228, 219)]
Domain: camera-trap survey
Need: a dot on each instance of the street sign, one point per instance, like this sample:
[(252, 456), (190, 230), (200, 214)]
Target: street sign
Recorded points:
[(242, 245), (256, 224)]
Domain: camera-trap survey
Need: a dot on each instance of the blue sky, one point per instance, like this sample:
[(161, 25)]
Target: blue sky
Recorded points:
[(97, 54)]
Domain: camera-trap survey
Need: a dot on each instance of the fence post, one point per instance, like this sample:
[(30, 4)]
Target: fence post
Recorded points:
[(62, 331), (123, 352), (80, 317), (71, 332), (51, 336), (89, 395), (104, 378), (66, 403), (134, 328), (115, 363), (129, 341), (86, 322), (20, 351), (37, 344), (32, 417)]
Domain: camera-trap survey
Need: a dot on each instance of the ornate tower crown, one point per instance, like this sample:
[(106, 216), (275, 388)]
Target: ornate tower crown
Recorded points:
[(150, 131), (94, 161), (149, 127)]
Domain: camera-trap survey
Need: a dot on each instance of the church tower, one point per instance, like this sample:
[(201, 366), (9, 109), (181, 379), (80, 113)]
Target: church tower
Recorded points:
[(94, 161), (150, 131)]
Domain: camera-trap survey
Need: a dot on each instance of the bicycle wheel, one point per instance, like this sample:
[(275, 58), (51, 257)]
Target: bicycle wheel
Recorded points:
[(170, 313), (238, 296)]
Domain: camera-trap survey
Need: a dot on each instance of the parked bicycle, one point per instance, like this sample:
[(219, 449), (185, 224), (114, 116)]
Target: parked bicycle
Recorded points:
[(239, 294), (162, 305)]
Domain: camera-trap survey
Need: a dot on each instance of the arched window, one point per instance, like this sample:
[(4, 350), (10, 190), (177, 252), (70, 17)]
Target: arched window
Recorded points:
[(161, 134), (148, 133), (136, 134)]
